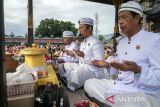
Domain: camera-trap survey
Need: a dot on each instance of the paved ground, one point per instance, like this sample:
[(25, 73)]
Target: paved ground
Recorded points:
[(76, 96), (28, 100)]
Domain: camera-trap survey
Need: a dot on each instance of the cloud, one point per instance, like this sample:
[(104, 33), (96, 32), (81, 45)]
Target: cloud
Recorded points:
[(67, 10)]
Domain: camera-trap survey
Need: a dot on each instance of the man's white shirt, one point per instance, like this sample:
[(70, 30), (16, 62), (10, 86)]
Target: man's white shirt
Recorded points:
[(144, 50), (70, 47)]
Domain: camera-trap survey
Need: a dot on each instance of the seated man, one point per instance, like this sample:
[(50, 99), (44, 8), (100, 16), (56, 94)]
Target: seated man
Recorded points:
[(68, 54), (138, 65), (90, 48)]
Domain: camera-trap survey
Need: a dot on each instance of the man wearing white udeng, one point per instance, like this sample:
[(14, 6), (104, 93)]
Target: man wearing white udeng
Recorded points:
[(138, 82), (70, 45), (67, 55), (90, 49)]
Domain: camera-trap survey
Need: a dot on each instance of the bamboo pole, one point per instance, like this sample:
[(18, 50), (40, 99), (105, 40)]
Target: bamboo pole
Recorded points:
[(30, 22), (3, 97)]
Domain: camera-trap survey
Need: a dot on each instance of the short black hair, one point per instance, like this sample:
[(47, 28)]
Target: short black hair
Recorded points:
[(135, 14), (89, 26)]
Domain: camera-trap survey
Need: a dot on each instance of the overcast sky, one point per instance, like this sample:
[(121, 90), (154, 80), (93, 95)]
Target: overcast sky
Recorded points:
[(66, 10)]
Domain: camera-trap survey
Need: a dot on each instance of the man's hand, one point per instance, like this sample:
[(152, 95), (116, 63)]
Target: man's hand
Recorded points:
[(100, 63), (60, 61), (126, 66), (79, 53)]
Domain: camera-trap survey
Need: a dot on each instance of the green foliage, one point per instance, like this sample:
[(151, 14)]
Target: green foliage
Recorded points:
[(101, 38), (109, 42), (53, 27), (12, 34)]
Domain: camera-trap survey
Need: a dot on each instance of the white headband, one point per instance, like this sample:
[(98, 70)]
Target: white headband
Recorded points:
[(86, 20), (131, 6), (68, 34)]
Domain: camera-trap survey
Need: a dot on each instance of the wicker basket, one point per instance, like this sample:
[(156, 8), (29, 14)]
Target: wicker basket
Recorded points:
[(20, 89)]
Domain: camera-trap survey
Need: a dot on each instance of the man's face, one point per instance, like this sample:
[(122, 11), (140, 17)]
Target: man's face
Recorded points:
[(127, 23), (83, 30), (67, 40)]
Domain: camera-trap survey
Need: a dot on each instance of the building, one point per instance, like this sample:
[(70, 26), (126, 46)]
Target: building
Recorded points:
[(18, 40)]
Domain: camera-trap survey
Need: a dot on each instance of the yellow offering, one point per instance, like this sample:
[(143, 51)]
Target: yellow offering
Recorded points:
[(34, 56)]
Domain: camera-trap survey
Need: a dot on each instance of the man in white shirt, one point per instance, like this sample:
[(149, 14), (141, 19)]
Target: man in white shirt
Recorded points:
[(138, 65), (90, 49), (71, 45)]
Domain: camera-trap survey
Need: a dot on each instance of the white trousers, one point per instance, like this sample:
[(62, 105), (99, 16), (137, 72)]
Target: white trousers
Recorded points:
[(78, 74), (102, 90)]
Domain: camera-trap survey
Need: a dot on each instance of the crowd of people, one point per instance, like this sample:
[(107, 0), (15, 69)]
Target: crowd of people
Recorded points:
[(136, 61)]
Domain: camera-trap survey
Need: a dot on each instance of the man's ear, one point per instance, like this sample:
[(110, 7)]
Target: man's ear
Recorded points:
[(138, 18), (89, 27)]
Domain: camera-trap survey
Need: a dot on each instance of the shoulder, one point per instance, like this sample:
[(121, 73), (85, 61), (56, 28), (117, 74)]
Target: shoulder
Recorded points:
[(150, 37), (74, 44), (94, 40)]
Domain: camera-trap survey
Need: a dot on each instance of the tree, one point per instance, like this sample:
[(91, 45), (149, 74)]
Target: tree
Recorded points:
[(101, 38), (50, 27), (12, 34)]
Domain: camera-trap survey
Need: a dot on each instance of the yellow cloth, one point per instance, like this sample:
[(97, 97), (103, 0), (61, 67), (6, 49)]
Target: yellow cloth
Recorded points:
[(52, 77)]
